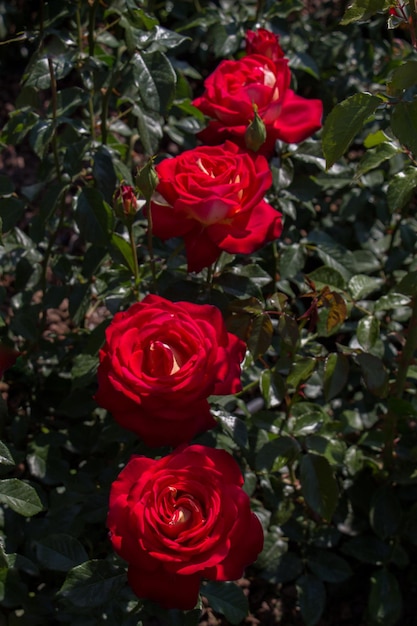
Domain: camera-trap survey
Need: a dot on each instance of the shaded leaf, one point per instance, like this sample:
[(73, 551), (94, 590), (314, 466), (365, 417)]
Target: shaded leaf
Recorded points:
[(318, 485), (336, 371), (385, 601), (90, 584), (374, 374), (404, 124), (228, 599), (60, 552), (311, 597)]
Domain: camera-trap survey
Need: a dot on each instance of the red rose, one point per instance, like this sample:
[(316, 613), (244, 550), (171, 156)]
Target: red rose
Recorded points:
[(160, 362), (264, 42), (213, 197), (233, 89), (179, 519)]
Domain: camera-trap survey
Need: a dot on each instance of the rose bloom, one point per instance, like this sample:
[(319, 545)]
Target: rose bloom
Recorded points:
[(160, 362), (264, 42), (213, 197), (233, 89), (179, 519)]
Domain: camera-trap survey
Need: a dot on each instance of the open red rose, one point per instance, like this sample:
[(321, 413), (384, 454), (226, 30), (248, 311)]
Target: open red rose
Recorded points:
[(160, 362), (179, 519), (213, 197), (233, 89), (264, 42)]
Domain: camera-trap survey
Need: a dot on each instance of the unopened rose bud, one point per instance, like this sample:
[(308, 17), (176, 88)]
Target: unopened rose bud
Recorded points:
[(125, 203), (255, 134), (147, 180)]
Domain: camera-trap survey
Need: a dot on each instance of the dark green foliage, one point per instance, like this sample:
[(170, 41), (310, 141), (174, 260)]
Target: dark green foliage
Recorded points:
[(324, 428)]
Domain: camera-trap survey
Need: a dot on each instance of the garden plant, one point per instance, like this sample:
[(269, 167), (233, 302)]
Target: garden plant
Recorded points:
[(208, 312)]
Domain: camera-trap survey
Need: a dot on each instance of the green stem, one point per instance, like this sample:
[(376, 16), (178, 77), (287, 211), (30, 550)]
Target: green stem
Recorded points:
[(135, 261), (79, 29), (150, 244), (398, 388), (47, 256), (91, 25), (54, 118)]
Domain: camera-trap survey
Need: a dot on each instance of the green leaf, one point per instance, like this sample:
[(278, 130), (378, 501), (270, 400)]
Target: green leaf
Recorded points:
[(91, 584), (311, 598), (408, 284), (385, 512), (39, 76), (306, 418), (385, 601), (373, 158), (318, 485), (11, 211), (60, 552), (103, 172), (20, 497), (5, 455), (336, 370), (362, 285), (401, 187), (374, 374), (6, 185), (344, 122), (124, 251), (404, 124), (228, 599), (368, 331), (403, 77), (362, 10), (327, 276), (292, 260), (367, 549), (272, 388), (328, 566), (334, 450), (277, 453), (156, 79), (275, 546), (392, 301), (301, 371), (94, 217)]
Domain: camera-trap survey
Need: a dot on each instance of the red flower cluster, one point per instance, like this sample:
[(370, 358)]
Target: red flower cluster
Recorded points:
[(185, 517), (260, 78)]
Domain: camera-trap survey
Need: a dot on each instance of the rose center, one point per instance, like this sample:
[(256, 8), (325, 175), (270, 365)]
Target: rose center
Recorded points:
[(183, 512), (162, 359)]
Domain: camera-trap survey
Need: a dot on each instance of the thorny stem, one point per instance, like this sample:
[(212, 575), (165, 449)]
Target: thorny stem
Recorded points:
[(406, 357), (54, 118)]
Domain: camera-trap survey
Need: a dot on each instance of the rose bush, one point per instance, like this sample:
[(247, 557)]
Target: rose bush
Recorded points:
[(213, 197), (160, 362), (232, 90), (179, 519)]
